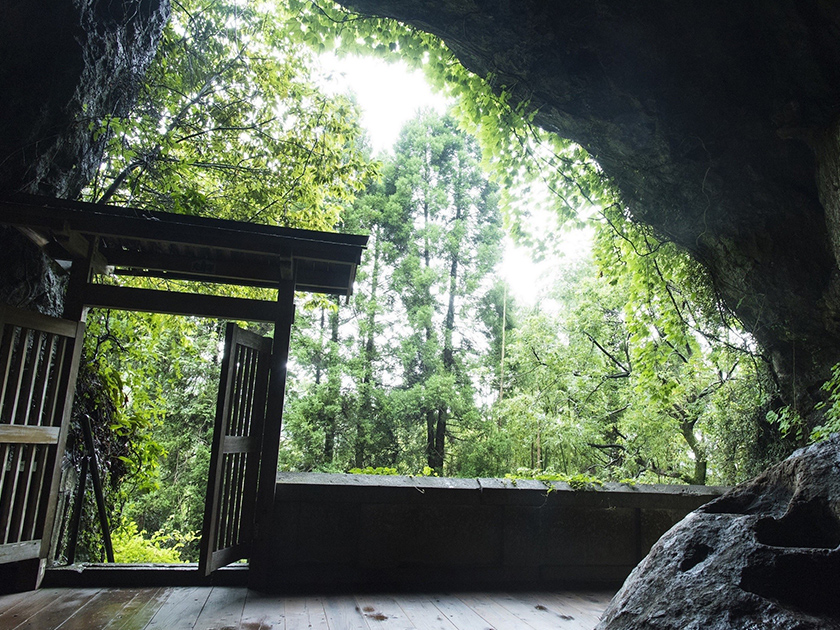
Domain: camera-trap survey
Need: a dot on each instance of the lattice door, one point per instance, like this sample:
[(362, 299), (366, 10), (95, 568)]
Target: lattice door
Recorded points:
[(39, 360), (235, 458)]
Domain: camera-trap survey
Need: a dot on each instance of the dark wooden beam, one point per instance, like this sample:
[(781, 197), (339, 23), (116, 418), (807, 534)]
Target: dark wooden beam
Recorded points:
[(174, 303), (63, 217)]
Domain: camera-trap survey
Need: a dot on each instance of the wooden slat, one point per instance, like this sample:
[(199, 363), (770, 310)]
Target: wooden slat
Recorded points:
[(223, 608), (10, 493), (15, 377), (31, 523), (24, 496), (16, 551), (51, 351), (175, 303), (264, 612), (181, 609), (139, 612), (17, 434)]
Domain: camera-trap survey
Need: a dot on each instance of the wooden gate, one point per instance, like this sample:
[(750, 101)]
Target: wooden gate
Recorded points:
[(235, 458), (39, 361)]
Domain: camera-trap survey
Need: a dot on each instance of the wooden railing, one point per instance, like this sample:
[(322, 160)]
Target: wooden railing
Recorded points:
[(38, 365)]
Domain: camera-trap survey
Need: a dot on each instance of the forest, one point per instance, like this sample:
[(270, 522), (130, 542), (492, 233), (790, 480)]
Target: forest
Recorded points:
[(628, 369)]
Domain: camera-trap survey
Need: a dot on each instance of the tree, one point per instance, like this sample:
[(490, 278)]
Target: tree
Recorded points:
[(447, 234), (230, 124)]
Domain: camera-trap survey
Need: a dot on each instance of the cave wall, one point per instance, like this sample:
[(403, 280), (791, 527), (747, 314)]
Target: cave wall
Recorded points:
[(63, 68), (717, 121)]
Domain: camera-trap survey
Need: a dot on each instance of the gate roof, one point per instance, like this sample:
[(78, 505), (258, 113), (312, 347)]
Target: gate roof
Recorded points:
[(144, 243)]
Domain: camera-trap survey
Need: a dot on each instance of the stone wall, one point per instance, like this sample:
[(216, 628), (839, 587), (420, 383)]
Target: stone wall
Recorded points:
[(357, 531)]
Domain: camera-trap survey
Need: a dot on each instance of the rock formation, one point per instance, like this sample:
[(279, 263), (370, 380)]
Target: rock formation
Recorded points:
[(718, 122), (64, 67), (764, 555)]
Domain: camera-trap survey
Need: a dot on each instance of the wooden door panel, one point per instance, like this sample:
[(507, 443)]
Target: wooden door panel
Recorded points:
[(237, 441)]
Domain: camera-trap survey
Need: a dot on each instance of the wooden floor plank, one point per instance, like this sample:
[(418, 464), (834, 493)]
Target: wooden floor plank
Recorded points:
[(58, 610), (305, 613), (496, 615), (592, 602), (342, 613), (423, 614), (569, 603), (7, 601), (461, 615), (383, 612), (24, 605), (569, 616), (223, 609), (139, 612), (263, 612), (181, 609), (539, 614), (107, 605), (217, 608)]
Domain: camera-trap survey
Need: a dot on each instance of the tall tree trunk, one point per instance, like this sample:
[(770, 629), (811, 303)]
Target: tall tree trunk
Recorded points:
[(334, 388), (369, 353)]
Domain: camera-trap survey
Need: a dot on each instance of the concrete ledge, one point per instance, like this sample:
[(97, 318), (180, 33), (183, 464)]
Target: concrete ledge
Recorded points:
[(393, 532)]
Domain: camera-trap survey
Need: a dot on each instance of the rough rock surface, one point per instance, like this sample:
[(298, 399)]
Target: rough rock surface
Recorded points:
[(764, 555), (63, 67), (718, 121)]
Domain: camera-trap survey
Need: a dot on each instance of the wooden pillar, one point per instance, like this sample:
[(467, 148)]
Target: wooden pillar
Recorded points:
[(263, 535), (74, 302)]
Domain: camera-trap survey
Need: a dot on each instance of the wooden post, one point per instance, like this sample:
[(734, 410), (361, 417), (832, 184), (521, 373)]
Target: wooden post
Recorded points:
[(74, 300), (271, 437)]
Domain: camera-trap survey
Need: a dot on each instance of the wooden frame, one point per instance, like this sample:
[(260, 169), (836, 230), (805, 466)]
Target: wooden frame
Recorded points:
[(39, 361), (100, 240)]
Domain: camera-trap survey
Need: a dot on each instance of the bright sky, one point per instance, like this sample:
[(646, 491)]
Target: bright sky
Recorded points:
[(389, 95)]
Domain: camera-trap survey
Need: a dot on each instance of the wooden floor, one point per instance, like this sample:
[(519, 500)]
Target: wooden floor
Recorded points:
[(227, 608)]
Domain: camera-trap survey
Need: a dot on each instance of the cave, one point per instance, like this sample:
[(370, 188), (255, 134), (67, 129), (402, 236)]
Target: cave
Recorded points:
[(718, 124)]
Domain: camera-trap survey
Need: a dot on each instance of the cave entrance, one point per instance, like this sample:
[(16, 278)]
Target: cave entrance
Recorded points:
[(102, 245)]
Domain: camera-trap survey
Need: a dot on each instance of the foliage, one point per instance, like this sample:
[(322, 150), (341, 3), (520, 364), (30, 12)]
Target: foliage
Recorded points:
[(229, 124), (831, 417), (436, 239), (632, 372), (518, 155), (370, 470), (133, 546)]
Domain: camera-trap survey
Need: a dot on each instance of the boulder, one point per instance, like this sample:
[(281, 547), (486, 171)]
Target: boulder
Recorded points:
[(764, 555)]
